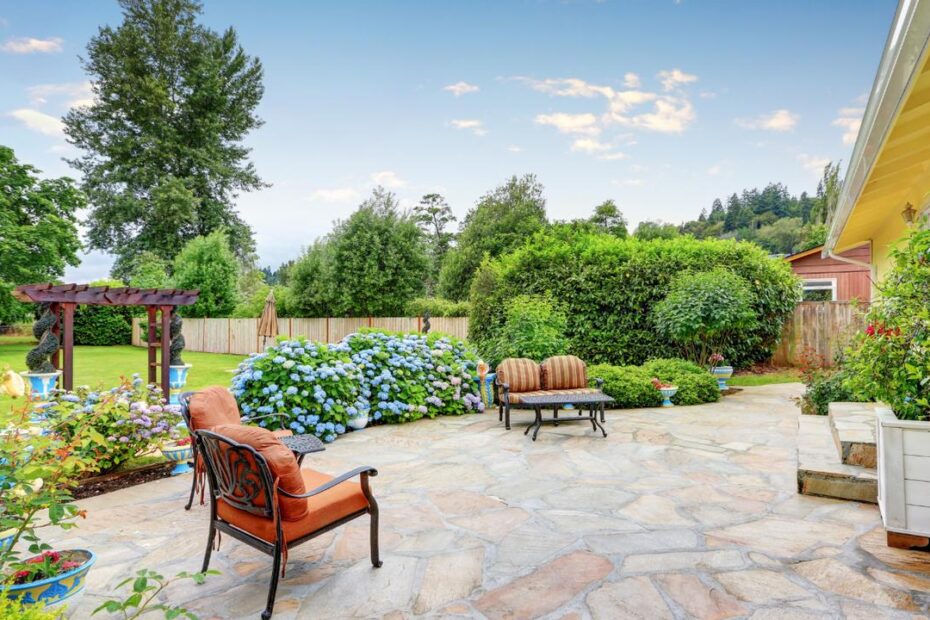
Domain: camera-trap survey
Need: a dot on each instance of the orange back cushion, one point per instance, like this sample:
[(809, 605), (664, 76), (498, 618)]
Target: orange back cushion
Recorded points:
[(521, 374), (213, 406), (564, 372), (281, 462)]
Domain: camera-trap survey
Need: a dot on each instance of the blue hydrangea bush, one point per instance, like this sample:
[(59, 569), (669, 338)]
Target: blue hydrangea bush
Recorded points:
[(316, 388)]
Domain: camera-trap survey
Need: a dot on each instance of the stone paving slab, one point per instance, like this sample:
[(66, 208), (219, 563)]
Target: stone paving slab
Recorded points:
[(853, 428), (679, 513), (820, 471)]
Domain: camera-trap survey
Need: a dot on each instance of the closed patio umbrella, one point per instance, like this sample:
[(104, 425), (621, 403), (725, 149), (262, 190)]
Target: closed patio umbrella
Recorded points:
[(268, 322)]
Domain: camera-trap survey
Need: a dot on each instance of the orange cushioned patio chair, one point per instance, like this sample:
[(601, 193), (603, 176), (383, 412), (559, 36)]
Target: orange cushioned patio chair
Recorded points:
[(518, 377), (259, 495), (205, 410)]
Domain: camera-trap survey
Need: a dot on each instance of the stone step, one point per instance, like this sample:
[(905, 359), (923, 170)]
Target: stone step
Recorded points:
[(853, 428), (820, 471)]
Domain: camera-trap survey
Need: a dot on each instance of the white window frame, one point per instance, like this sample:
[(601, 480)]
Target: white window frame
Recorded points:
[(821, 284)]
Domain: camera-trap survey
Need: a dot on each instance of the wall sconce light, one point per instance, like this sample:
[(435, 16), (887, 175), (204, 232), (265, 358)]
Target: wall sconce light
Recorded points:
[(909, 214)]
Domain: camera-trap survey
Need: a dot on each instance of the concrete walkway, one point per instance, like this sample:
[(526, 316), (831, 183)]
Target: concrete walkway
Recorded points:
[(678, 513)]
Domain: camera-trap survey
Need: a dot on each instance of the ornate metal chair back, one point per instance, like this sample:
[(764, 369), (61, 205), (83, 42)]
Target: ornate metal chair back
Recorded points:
[(238, 474)]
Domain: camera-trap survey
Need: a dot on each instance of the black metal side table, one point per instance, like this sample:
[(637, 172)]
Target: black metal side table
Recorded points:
[(302, 445), (593, 403)]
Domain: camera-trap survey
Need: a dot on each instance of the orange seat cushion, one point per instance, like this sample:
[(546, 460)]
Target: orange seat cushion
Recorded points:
[(281, 462), (516, 399), (342, 500), (213, 406), (564, 372), (520, 374)]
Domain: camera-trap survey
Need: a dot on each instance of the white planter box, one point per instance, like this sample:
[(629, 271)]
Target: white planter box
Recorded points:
[(903, 473)]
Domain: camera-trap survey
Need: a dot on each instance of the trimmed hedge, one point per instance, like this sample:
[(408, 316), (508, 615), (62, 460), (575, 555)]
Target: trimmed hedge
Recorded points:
[(103, 325), (631, 386), (437, 306), (609, 286)]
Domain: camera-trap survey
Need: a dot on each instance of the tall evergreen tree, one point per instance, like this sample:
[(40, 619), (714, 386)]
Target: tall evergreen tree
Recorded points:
[(163, 156), (608, 217), (434, 216)]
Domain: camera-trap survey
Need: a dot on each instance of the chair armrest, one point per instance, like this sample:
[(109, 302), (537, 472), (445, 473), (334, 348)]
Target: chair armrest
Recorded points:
[(363, 471), (252, 418), (599, 383), (506, 388)]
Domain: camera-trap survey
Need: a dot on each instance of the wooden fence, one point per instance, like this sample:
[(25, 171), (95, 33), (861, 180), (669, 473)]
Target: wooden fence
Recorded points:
[(825, 327), (240, 336)]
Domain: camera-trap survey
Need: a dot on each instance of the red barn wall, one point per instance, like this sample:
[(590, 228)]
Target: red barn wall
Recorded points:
[(852, 281)]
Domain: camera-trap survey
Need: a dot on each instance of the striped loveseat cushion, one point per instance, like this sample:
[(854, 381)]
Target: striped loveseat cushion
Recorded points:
[(564, 372), (521, 374), (516, 399)]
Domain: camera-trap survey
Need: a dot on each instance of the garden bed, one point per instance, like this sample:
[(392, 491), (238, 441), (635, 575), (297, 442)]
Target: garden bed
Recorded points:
[(113, 481)]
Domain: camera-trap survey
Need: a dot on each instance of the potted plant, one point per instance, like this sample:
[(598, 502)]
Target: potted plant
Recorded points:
[(42, 374), (179, 452), (667, 390), (358, 418), (890, 363), (37, 472), (720, 372)]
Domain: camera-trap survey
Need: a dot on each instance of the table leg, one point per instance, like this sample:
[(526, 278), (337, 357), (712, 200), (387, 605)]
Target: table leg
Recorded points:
[(592, 412), (601, 407), (538, 424), (555, 416)]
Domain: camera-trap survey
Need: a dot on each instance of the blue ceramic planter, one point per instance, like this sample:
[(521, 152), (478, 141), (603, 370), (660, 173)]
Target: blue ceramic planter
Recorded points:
[(722, 373), (177, 379), (57, 590), (487, 389), (6, 539), (41, 384), (667, 394), (179, 455)]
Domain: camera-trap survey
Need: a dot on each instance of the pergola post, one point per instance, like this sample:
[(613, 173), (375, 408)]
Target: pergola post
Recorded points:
[(55, 309), (151, 344), (165, 351), (68, 346)]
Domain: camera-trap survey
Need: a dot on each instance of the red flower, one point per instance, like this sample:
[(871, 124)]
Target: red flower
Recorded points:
[(870, 330), (66, 566)]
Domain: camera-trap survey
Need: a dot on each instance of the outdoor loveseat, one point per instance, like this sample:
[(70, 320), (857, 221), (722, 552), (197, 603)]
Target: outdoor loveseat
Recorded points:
[(518, 378)]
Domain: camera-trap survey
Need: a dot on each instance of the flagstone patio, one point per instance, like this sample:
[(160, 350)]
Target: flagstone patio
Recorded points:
[(684, 512)]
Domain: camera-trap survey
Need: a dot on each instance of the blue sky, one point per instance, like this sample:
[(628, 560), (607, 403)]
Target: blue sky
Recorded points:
[(657, 104)]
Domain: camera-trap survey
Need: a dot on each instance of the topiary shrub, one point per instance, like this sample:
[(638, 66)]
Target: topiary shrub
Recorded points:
[(695, 384), (534, 327), (316, 388), (630, 386), (102, 325), (703, 310), (608, 286)]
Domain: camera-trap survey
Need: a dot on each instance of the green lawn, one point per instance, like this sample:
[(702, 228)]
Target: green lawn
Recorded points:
[(781, 375), (103, 366)]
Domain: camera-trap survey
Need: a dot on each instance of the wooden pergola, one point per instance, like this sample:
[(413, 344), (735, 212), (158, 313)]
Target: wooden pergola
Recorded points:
[(64, 298)]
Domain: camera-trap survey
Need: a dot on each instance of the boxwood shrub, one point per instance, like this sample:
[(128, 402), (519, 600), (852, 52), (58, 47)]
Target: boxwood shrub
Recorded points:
[(631, 386), (609, 286), (315, 388), (102, 325)]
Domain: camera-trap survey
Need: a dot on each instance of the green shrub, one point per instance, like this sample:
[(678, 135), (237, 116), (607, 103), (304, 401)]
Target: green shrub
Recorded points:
[(695, 384), (630, 386), (102, 325), (608, 287), (12, 610), (703, 310), (825, 388), (534, 327), (436, 306), (889, 361)]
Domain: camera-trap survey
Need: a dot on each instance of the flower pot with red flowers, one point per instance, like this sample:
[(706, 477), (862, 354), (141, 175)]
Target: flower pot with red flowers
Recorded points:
[(179, 452), (667, 390), (54, 578)]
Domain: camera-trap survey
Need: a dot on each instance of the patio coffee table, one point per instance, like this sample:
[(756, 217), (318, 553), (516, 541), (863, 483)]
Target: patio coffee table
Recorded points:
[(594, 403), (302, 445)]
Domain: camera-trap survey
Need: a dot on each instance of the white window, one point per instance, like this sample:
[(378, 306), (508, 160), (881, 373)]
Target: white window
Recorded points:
[(823, 289)]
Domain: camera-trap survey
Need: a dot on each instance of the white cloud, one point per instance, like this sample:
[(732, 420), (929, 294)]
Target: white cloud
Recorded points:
[(39, 121), (780, 120), (28, 45), (513, 148), (336, 194), (631, 80), (672, 79), (461, 88), (707, 94), (568, 87), (813, 163), (670, 115), (474, 125), (714, 170), (76, 93), (590, 145), (570, 123), (612, 156), (850, 119), (387, 178)]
